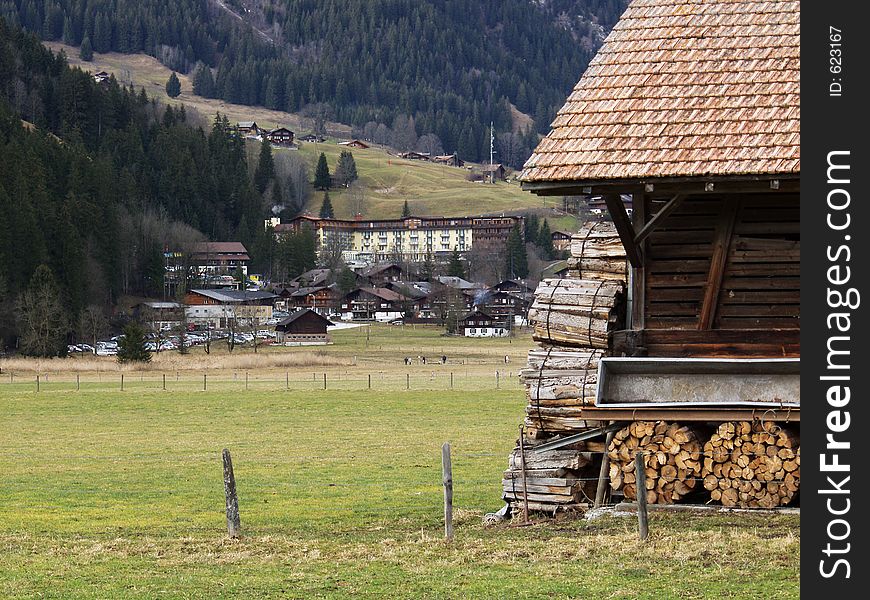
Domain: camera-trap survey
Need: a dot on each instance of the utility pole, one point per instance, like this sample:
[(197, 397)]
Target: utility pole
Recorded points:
[(491, 152)]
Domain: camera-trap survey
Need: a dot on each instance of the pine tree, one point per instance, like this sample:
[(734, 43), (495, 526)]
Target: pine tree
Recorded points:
[(86, 52), (545, 240), (455, 267), (532, 228), (345, 172), (326, 211), (516, 260), (322, 179), (173, 86), (203, 82), (277, 194), (265, 167), (406, 210), (131, 347)]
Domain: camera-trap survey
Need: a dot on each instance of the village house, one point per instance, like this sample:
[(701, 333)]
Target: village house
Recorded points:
[(561, 240), (159, 315), (221, 309), (322, 299), (374, 304), (101, 77), (303, 327), (496, 172), (210, 259), (311, 278), (249, 129), (380, 274), (506, 307), (355, 144), (451, 160), (480, 324), (310, 137), (415, 155), (280, 136)]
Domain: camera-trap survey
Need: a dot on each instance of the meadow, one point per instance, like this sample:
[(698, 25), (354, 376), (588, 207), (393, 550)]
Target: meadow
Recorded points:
[(110, 494)]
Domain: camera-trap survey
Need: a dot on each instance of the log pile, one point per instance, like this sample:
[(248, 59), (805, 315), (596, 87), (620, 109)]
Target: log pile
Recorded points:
[(572, 319), (551, 480), (752, 465), (672, 460), (577, 312), (559, 382), (597, 253)]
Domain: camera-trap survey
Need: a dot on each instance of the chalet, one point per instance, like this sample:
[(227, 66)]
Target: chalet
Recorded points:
[(374, 304), (249, 129), (310, 137), (480, 324), (378, 275), (313, 277), (355, 144), (458, 283), (703, 134), (561, 240), (322, 299), (219, 309), (415, 155), (496, 171), (280, 136), (506, 307), (159, 315), (219, 258), (101, 77), (303, 327), (514, 286), (451, 160)]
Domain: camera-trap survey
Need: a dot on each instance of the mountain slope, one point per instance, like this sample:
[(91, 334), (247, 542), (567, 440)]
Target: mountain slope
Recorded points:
[(449, 67)]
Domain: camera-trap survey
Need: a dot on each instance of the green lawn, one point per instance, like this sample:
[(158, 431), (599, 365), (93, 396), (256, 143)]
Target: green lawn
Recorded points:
[(109, 495)]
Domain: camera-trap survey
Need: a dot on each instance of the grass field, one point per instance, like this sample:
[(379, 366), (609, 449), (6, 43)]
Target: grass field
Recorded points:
[(430, 189), (110, 494)]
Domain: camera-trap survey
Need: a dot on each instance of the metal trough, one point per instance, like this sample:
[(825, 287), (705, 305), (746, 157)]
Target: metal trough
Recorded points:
[(698, 382)]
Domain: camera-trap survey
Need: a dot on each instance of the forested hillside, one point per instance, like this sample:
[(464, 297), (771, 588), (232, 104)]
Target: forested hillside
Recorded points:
[(96, 181), (450, 67)]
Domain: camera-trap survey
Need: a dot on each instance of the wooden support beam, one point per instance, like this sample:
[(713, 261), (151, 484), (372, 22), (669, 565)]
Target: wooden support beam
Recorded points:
[(721, 245), (692, 414), (638, 274), (623, 228), (659, 218)]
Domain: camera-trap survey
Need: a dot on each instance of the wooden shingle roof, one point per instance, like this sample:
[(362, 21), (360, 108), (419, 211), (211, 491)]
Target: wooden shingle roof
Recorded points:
[(683, 88)]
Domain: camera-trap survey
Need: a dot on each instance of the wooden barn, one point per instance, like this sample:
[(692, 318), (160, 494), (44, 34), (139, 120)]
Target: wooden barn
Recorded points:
[(303, 327), (690, 110)]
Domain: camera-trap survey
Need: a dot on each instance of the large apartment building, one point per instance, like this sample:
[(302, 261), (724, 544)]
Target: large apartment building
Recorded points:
[(412, 238)]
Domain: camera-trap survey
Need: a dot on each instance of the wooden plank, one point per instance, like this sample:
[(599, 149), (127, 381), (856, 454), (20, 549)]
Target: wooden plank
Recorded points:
[(624, 228), (679, 266), (761, 283), (721, 245), (692, 414), (659, 218)]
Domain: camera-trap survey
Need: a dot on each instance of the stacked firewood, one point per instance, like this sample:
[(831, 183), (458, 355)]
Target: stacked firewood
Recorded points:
[(559, 383), (752, 464), (551, 482), (572, 320), (671, 457), (577, 312), (597, 253)]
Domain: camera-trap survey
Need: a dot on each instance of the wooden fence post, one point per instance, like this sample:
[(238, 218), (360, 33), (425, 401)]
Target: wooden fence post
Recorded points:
[(604, 472), (78, 383), (122, 382), (523, 475), (164, 381), (451, 380), (370, 381), (407, 381), (324, 381), (640, 479), (37, 383), (246, 381), (234, 525), (204, 381), (287, 380), (447, 479), (496, 379)]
